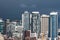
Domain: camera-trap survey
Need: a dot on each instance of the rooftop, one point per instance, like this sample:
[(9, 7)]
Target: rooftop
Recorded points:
[(26, 12), (35, 12), (44, 15), (53, 13), (1, 20)]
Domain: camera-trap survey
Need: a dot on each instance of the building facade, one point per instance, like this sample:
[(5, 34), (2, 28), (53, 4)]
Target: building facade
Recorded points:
[(1, 26), (54, 25), (26, 20), (35, 23), (44, 23)]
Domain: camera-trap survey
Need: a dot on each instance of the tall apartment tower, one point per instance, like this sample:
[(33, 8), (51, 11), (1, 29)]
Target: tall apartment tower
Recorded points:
[(2, 26), (26, 20), (54, 25), (7, 22), (44, 23), (35, 22)]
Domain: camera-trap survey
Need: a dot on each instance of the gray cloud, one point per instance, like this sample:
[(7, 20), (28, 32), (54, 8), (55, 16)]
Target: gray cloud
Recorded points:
[(23, 5), (34, 5)]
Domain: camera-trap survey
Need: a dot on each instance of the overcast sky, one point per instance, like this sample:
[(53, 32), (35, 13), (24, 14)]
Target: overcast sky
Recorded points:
[(14, 8)]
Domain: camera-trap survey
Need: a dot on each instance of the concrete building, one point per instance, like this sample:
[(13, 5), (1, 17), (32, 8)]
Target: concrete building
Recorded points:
[(18, 32), (44, 23), (14, 30), (11, 26), (19, 28)]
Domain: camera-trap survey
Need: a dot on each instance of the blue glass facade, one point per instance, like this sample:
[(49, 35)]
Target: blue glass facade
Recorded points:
[(2, 27), (54, 26)]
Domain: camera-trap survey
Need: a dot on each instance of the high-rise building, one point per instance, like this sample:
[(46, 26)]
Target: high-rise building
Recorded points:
[(1, 26), (54, 25), (44, 23), (35, 23), (44, 26), (7, 22), (26, 20)]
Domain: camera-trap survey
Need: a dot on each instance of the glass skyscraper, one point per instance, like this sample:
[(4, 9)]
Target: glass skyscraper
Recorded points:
[(53, 25), (26, 20), (1, 26), (35, 22)]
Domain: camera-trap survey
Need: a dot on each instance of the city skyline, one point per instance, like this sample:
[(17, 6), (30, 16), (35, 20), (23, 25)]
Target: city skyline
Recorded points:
[(40, 26), (29, 19)]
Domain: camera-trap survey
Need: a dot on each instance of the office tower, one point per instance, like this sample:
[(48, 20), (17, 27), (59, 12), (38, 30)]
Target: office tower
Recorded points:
[(26, 20), (1, 26), (7, 22), (35, 23), (44, 23), (54, 25)]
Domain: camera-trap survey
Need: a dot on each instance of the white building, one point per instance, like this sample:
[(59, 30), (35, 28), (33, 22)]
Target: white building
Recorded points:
[(44, 23), (26, 20), (11, 27)]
